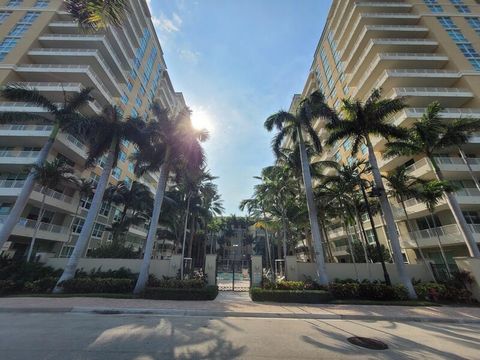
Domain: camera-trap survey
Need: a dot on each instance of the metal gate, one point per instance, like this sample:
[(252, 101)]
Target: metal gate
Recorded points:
[(233, 275)]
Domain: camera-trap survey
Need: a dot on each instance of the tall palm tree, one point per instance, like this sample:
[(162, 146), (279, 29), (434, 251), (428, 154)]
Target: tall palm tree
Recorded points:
[(427, 136), (431, 193), (403, 187), (85, 189), (169, 143), (49, 176), (298, 126), (104, 133), (136, 197), (361, 121), (64, 117), (97, 14)]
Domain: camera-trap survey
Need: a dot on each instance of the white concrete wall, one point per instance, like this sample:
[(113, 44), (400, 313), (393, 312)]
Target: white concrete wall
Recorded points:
[(158, 268), (298, 271), (210, 268)]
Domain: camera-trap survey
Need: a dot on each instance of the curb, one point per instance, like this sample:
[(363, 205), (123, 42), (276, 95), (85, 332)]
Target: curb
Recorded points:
[(223, 314)]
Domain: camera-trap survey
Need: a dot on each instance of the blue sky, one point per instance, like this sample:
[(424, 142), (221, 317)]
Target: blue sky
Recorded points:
[(236, 62)]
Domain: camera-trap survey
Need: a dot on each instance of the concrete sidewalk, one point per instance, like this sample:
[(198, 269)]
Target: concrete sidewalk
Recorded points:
[(229, 304)]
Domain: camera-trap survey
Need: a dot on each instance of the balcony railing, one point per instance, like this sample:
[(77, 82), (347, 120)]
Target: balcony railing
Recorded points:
[(441, 231), (30, 224), (19, 153), (54, 194), (11, 184), (19, 127)]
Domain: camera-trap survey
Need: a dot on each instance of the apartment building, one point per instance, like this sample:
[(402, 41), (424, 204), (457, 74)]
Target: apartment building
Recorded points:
[(422, 51), (41, 47)]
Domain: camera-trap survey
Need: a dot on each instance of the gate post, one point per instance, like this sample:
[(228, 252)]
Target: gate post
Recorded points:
[(257, 271), (211, 268)]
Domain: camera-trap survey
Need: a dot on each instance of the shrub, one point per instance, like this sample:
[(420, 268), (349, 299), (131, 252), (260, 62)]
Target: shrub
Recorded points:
[(98, 285), (344, 291), (21, 272), (204, 293), (367, 291), (290, 285), (122, 273), (290, 296), (173, 283), (7, 287), (40, 286), (114, 251), (441, 292)]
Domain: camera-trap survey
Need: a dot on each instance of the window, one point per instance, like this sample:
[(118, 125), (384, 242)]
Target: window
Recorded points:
[(117, 215), (127, 181), (6, 46), (337, 157), (131, 167), (457, 36), (116, 173), (435, 8), (129, 85), (125, 143), (105, 208), (14, 3), (447, 22), (97, 231), (101, 162), (122, 156), (142, 90), (42, 3), (30, 17), (78, 225), (364, 149), (5, 208), (94, 177), (124, 99), (17, 32), (347, 145), (370, 235), (67, 251), (138, 101), (85, 203), (471, 217), (134, 113), (474, 23), (468, 51), (4, 15), (464, 9)]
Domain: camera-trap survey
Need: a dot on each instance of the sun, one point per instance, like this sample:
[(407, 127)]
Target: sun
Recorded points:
[(201, 119)]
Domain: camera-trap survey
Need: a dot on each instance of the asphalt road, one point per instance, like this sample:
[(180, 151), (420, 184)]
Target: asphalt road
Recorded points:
[(62, 336)]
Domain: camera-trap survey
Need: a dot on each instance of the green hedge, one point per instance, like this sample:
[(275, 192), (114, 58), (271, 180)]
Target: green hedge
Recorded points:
[(205, 293), (98, 285), (291, 296), (367, 291)]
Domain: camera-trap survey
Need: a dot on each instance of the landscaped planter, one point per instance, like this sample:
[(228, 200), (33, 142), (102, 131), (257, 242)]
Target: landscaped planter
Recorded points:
[(291, 296)]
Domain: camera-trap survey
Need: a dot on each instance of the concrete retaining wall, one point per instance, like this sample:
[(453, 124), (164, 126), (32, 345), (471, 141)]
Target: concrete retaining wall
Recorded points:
[(158, 268), (297, 271)]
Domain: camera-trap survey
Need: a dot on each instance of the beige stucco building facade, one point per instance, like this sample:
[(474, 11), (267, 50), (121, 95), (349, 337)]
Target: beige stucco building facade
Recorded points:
[(423, 51), (41, 47)]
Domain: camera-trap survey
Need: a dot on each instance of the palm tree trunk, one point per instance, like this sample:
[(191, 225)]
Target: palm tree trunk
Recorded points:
[(284, 235), (14, 216), (83, 238), (190, 242), (185, 236), (358, 222), (458, 216), (152, 231), (352, 254), (327, 242), (410, 231), (442, 253), (470, 170), (37, 225), (390, 222), (312, 213)]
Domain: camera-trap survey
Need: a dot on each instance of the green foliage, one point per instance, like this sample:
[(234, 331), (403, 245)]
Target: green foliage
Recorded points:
[(21, 272), (290, 296), (368, 291), (160, 293), (121, 273), (174, 283), (372, 253), (308, 284), (443, 293), (113, 251), (98, 285), (7, 287), (41, 286)]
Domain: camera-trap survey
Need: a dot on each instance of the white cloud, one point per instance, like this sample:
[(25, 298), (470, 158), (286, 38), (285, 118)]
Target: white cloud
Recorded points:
[(189, 55), (166, 24)]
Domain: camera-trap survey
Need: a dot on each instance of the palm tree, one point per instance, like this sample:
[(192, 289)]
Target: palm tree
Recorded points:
[(136, 197), (169, 143), (362, 120), (403, 187), (97, 14), (85, 189), (296, 127), (49, 175), (64, 117), (431, 193), (427, 136), (104, 133)]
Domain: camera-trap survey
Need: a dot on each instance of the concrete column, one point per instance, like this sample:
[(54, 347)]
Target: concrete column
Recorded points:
[(257, 270), (175, 263), (291, 268), (211, 268)]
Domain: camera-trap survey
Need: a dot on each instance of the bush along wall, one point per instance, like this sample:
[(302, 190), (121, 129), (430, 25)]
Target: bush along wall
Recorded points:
[(291, 296), (162, 293)]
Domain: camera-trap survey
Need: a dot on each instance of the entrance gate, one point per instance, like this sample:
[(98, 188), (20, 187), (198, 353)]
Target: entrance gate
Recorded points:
[(233, 275)]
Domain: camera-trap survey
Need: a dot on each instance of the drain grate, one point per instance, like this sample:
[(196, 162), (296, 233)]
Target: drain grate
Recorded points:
[(368, 343)]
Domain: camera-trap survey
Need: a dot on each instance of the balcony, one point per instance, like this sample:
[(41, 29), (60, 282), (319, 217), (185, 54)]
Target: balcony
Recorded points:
[(83, 74), (421, 77), (340, 250), (26, 227), (423, 96), (337, 233), (369, 32), (88, 42), (72, 147), (28, 135), (12, 160), (138, 230), (388, 61), (88, 57), (365, 54), (448, 234)]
